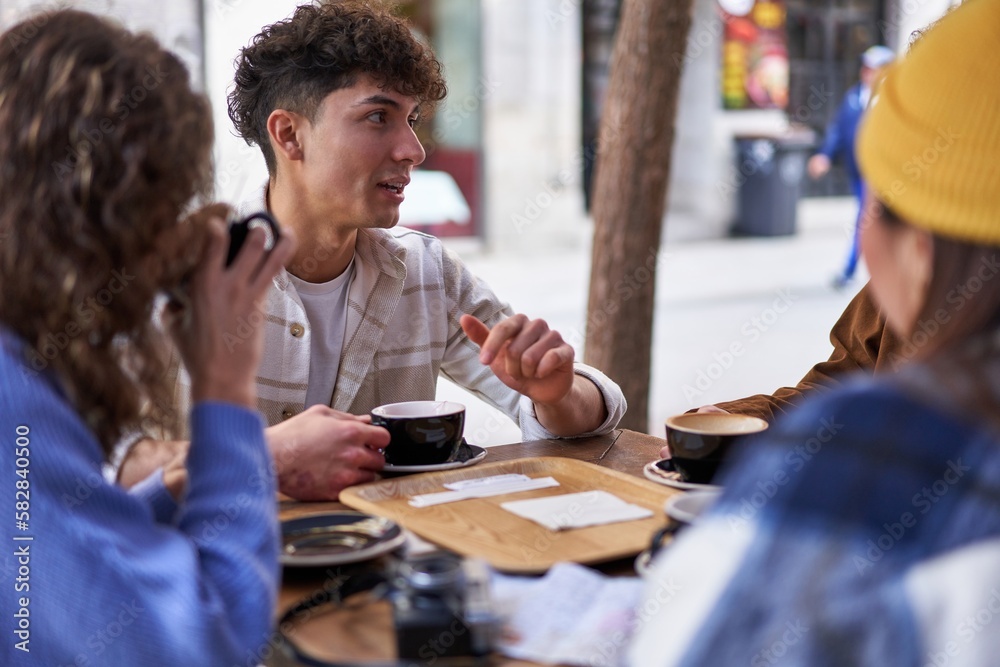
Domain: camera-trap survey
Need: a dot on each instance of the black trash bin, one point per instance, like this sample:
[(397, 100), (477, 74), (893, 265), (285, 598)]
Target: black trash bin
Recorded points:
[(769, 171)]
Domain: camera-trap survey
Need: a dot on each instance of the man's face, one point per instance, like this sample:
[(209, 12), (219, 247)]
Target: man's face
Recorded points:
[(867, 76), (358, 154)]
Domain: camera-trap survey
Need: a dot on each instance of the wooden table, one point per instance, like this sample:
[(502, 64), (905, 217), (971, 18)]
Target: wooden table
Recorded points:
[(366, 634)]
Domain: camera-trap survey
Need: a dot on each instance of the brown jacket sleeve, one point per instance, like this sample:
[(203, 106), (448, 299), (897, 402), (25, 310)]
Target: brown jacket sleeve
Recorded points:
[(861, 342)]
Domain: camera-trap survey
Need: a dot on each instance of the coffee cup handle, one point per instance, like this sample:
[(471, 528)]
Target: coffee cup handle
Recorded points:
[(656, 543)]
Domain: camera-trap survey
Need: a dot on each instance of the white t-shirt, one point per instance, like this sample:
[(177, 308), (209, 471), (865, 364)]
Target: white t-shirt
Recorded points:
[(326, 311)]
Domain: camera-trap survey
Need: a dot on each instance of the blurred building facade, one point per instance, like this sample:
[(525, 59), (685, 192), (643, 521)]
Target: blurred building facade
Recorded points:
[(526, 79)]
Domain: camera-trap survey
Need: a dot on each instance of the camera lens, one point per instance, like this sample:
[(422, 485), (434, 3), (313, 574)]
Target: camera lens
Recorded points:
[(432, 573)]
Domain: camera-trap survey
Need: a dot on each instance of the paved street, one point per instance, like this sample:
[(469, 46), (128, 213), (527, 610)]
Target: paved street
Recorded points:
[(733, 316)]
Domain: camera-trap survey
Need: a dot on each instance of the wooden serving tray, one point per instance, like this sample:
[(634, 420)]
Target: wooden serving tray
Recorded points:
[(480, 527)]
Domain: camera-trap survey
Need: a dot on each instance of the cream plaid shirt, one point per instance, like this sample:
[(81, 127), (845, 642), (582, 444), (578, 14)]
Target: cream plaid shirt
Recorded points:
[(402, 331)]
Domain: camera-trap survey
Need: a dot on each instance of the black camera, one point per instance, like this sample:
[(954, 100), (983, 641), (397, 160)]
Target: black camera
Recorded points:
[(239, 230), (442, 609)]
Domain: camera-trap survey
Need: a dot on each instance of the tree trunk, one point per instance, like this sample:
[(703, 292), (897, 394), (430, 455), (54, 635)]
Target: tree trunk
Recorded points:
[(630, 191)]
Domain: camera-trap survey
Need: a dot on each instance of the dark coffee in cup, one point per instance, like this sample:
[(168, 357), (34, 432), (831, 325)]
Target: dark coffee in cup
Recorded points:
[(421, 432), (698, 441)]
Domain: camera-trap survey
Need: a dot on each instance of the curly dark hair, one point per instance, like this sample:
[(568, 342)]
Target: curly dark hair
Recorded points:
[(294, 64), (103, 146)]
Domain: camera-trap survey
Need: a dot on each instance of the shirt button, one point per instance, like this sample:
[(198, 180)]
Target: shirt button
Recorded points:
[(297, 330), (286, 414)]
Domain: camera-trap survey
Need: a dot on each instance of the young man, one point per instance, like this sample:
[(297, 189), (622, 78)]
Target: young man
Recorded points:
[(367, 314)]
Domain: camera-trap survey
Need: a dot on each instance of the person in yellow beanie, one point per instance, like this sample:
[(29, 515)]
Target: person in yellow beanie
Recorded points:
[(864, 527)]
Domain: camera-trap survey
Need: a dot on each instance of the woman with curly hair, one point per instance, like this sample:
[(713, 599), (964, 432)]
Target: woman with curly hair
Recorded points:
[(103, 146)]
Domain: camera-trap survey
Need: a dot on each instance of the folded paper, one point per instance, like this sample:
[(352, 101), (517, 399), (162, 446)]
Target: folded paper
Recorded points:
[(576, 510), (483, 490)]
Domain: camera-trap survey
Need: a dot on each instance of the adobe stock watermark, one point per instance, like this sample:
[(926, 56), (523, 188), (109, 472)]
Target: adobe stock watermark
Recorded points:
[(495, 421), (78, 152), (544, 540), (566, 9), (83, 489), (31, 25), (420, 325), (703, 36), (245, 328), (226, 173), (904, 9), (224, 8), (100, 641), (624, 290), (795, 460), (457, 112), (922, 502), (55, 343), (957, 298), (534, 206), (230, 510), (793, 633), (966, 630), (918, 164), (751, 331), (764, 152), (654, 599), (913, 169), (566, 517), (552, 188), (265, 651)]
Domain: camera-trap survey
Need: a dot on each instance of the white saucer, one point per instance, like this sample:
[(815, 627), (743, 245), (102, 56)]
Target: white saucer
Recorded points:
[(687, 507), (673, 479), (476, 453)]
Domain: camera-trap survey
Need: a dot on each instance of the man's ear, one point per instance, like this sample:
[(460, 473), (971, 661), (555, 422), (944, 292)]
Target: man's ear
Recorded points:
[(284, 129)]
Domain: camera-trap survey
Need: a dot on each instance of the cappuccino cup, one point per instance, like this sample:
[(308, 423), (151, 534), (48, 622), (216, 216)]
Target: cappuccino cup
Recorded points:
[(421, 432), (698, 442)]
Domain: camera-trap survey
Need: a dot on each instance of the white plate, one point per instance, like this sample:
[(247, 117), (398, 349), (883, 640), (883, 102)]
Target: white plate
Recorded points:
[(673, 479), (687, 507), (337, 538)]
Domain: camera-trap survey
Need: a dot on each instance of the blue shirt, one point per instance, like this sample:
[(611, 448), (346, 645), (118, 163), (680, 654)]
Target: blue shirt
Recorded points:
[(93, 575)]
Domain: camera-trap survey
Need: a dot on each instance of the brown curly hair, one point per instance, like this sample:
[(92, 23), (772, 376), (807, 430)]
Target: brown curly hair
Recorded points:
[(103, 145), (294, 64)]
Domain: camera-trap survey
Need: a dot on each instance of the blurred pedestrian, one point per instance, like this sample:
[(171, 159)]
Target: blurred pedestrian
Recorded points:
[(838, 143)]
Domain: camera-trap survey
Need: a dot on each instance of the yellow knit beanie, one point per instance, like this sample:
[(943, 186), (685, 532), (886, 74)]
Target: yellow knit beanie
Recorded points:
[(929, 146)]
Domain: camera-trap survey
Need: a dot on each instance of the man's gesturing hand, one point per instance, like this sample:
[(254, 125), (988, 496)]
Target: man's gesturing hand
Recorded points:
[(526, 355)]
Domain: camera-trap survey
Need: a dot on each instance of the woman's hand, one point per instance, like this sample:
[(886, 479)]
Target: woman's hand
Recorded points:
[(218, 332)]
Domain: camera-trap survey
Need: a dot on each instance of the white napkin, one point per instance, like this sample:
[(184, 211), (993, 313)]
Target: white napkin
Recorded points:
[(571, 616), (482, 487), (576, 510)]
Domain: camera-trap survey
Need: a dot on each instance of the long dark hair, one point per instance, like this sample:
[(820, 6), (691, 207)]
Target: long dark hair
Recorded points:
[(103, 145), (957, 332)]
